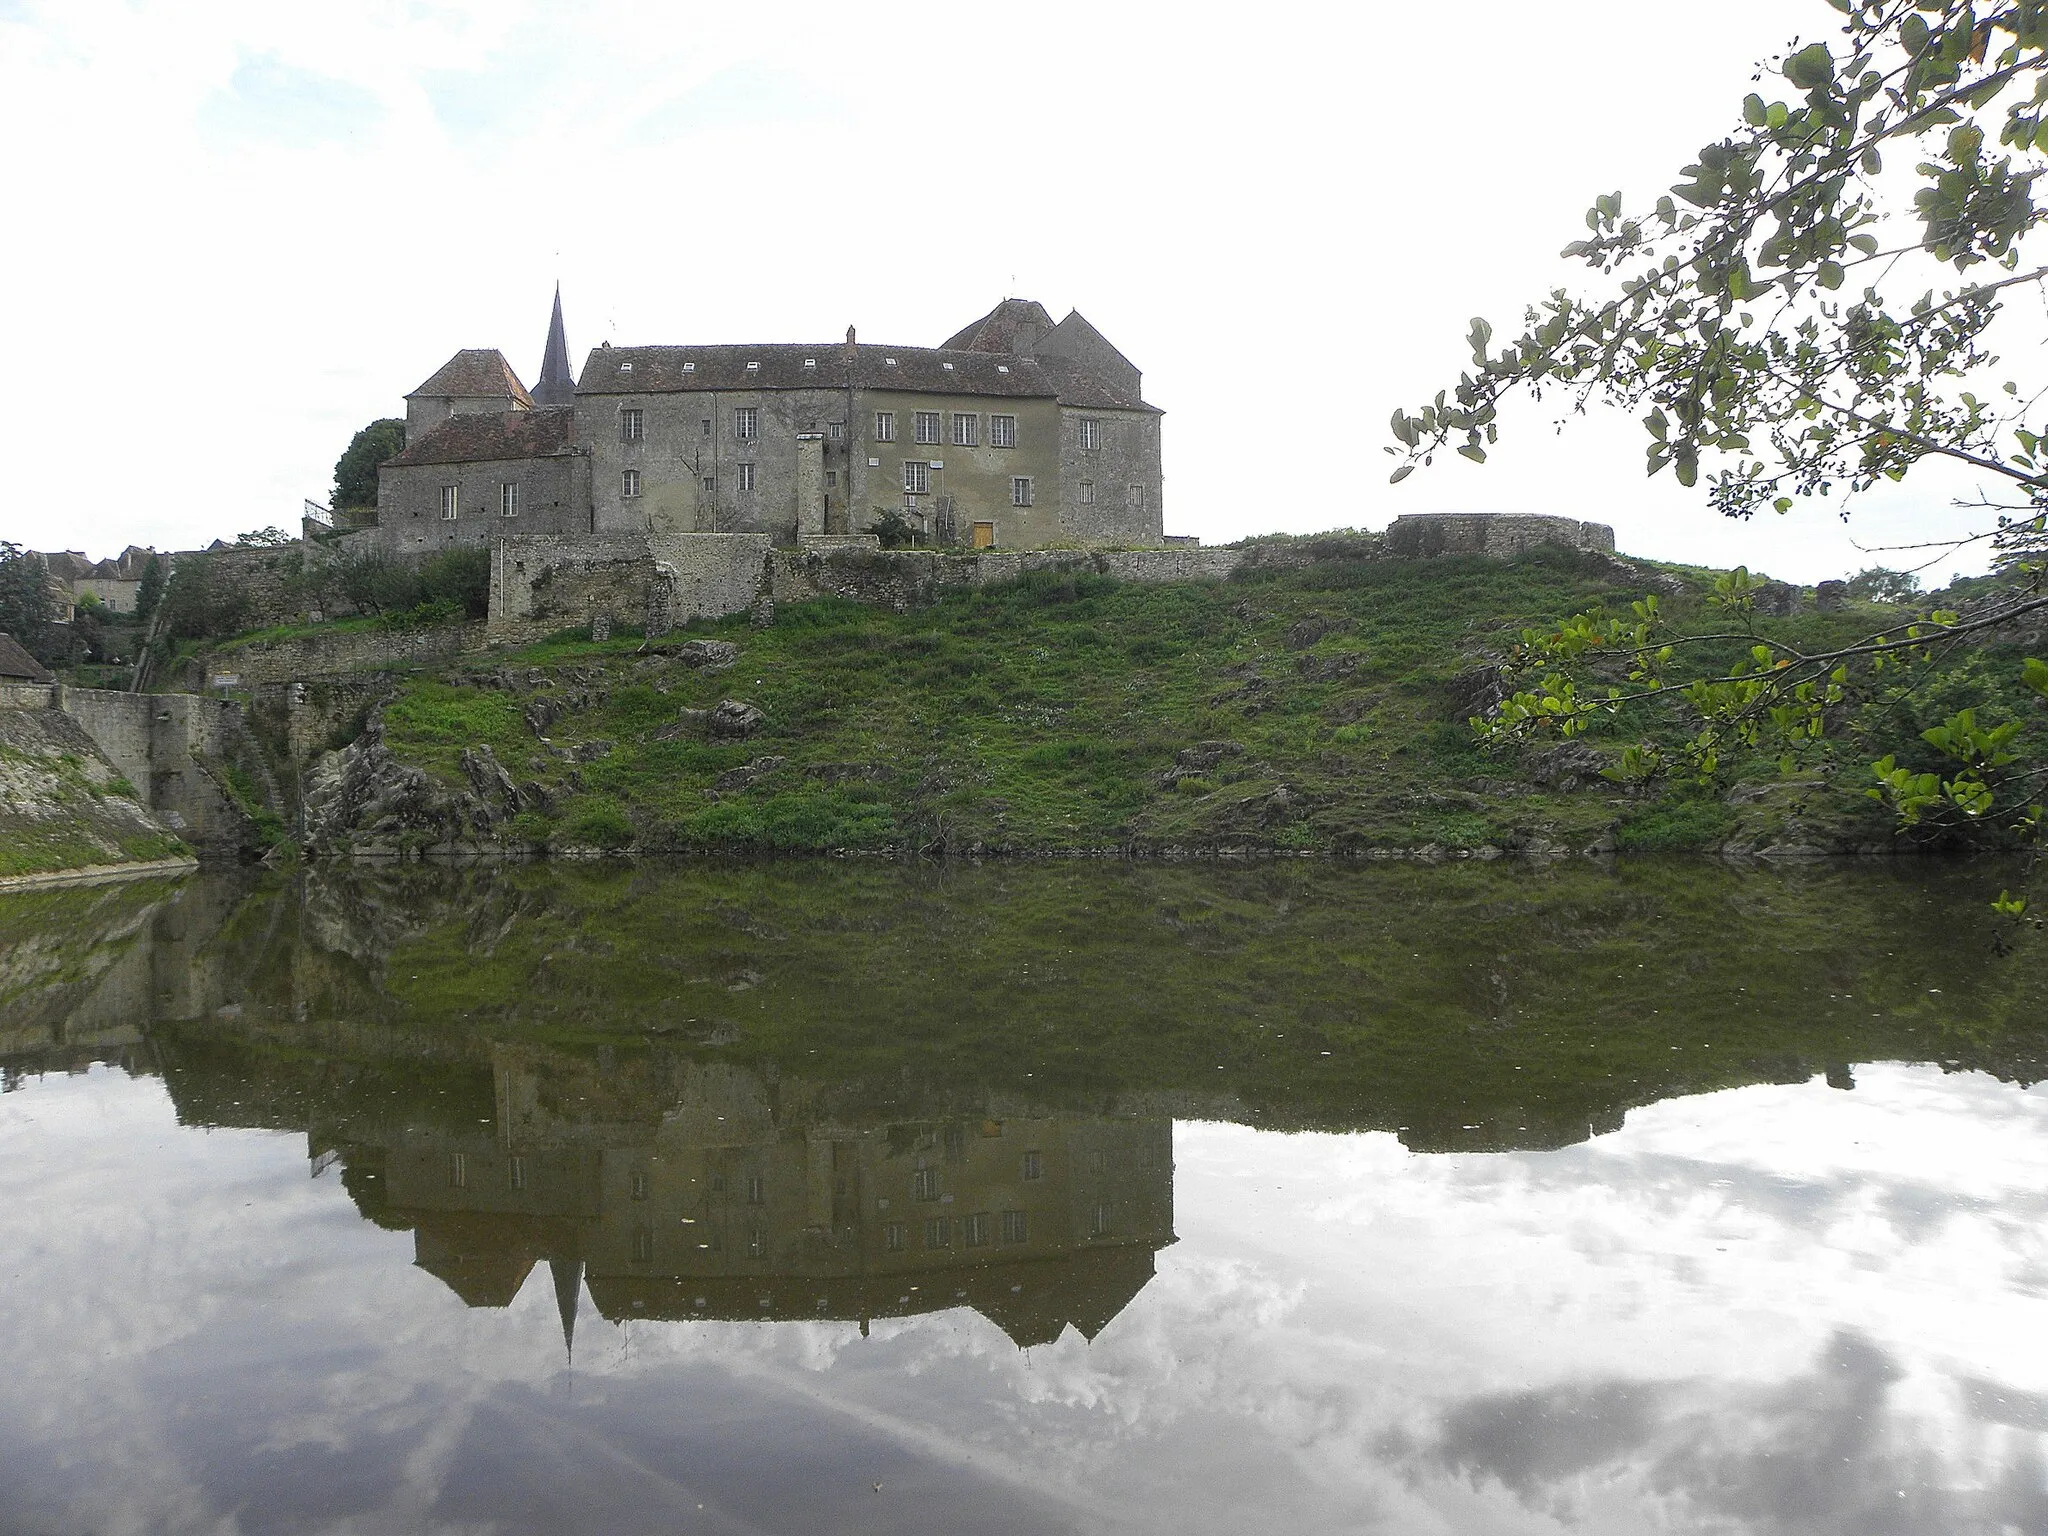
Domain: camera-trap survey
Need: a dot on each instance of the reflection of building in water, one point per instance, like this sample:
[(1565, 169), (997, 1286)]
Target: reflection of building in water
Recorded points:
[(746, 1199)]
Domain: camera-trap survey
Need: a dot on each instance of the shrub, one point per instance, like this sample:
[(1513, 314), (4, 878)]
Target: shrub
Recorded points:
[(599, 823)]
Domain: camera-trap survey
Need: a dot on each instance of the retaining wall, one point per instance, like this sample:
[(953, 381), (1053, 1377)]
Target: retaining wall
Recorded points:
[(334, 653)]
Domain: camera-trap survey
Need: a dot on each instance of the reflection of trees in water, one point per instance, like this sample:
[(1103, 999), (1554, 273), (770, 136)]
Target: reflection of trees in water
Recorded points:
[(1467, 1007)]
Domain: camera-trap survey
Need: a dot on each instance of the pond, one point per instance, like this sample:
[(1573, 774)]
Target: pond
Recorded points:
[(1024, 1198)]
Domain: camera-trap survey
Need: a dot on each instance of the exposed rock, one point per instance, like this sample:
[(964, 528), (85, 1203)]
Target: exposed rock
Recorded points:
[(710, 655), (542, 713), (1829, 596), (1567, 766), (1199, 759), (1478, 691), (1777, 600), (601, 627), (1325, 669), (1308, 632), (746, 777), (487, 776), (734, 719), (850, 773), (363, 797), (584, 751)]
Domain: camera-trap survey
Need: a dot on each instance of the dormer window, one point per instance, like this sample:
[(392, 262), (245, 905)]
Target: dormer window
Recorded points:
[(888, 362), (947, 366), (1002, 367), (753, 367), (625, 367), (689, 367), (810, 362)]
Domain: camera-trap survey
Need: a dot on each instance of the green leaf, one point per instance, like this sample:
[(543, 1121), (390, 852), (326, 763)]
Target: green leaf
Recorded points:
[(1401, 474), (1811, 67), (1829, 275)]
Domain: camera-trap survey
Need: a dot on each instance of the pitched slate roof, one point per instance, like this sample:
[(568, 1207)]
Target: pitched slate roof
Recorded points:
[(493, 435), (1000, 328), (835, 365), (557, 385), (473, 372), (17, 665)]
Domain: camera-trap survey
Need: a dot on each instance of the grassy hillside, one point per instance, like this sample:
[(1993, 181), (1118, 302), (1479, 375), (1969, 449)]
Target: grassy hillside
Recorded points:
[(1321, 709)]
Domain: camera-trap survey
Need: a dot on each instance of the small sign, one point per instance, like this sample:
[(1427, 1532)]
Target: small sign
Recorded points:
[(227, 679)]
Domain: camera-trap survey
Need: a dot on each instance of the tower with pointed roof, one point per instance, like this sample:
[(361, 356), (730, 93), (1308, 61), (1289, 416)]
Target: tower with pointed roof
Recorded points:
[(557, 384)]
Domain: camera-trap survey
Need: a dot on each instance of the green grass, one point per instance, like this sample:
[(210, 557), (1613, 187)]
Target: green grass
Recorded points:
[(1045, 715)]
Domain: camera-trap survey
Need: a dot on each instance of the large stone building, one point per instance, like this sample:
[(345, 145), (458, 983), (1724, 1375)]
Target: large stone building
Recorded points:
[(1015, 433)]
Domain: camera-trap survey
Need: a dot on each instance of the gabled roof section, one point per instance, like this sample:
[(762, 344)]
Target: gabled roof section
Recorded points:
[(1079, 343), (1089, 391), (476, 373), (491, 435), (826, 365), (16, 665), (1013, 326)]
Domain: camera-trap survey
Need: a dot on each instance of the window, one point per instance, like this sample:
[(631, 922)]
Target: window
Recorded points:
[(1091, 434), (757, 1189), (977, 1227), (1100, 1224), (707, 426), (836, 430), (458, 1170), (643, 1245), (1034, 1165), (1134, 497), (938, 1232), (753, 367), (718, 1183), (1087, 493), (966, 429), (508, 498), (831, 478), (515, 1170), (710, 484), (629, 483), (746, 421), (746, 477), (924, 1184), (1014, 1227), (885, 426), (928, 427), (632, 426), (1020, 491), (757, 1243), (917, 477), (1002, 431), (639, 1185), (892, 1237), (451, 501)]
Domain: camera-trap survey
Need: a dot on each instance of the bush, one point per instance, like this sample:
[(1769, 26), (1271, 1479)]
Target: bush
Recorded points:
[(1683, 826), (599, 823), (201, 603)]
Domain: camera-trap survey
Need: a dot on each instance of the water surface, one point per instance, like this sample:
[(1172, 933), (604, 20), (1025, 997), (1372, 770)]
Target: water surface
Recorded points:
[(1020, 1199)]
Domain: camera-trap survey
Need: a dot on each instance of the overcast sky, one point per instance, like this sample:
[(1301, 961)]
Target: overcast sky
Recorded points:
[(240, 230)]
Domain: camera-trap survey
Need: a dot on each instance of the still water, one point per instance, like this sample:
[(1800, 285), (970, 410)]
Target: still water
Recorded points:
[(1024, 1199)]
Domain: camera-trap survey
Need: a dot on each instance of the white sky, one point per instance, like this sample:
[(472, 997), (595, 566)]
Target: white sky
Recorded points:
[(239, 230)]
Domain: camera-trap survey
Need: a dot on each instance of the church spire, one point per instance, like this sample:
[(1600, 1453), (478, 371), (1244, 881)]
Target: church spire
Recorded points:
[(557, 384), (568, 1276)]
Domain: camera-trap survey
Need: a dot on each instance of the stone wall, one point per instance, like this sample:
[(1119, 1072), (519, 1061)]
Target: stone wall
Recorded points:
[(553, 497), (1112, 492), (1501, 535), (904, 578), (329, 653), (650, 580)]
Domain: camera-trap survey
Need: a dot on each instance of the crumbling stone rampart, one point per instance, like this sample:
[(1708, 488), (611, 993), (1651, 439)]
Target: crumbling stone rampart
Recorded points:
[(1501, 535)]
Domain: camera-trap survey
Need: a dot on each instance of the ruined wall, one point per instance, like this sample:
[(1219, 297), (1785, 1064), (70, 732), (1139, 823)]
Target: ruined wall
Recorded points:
[(651, 580), (331, 653), (176, 747), (907, 577), (1427, 535)]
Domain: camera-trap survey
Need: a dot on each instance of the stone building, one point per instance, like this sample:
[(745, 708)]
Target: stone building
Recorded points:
[(1018, 432)]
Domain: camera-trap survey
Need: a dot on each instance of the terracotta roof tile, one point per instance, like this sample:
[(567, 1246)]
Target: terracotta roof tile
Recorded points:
[(476, 372), (493, 435), (17, 665)]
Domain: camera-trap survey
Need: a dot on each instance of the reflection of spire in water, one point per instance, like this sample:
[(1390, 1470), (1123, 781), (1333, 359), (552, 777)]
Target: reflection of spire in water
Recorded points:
[(568, 1275)]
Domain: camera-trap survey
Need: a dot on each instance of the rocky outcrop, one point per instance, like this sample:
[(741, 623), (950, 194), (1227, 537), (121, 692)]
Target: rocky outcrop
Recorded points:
[(363, 800), (65, 806)]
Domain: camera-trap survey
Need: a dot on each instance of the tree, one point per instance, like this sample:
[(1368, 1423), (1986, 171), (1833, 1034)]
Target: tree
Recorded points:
[(355, 472), (150, 591), (1808, 311), (27, 610), (1880, 585)]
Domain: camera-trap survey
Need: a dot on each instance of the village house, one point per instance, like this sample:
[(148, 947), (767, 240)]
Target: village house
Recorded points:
[(1016, 433)]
